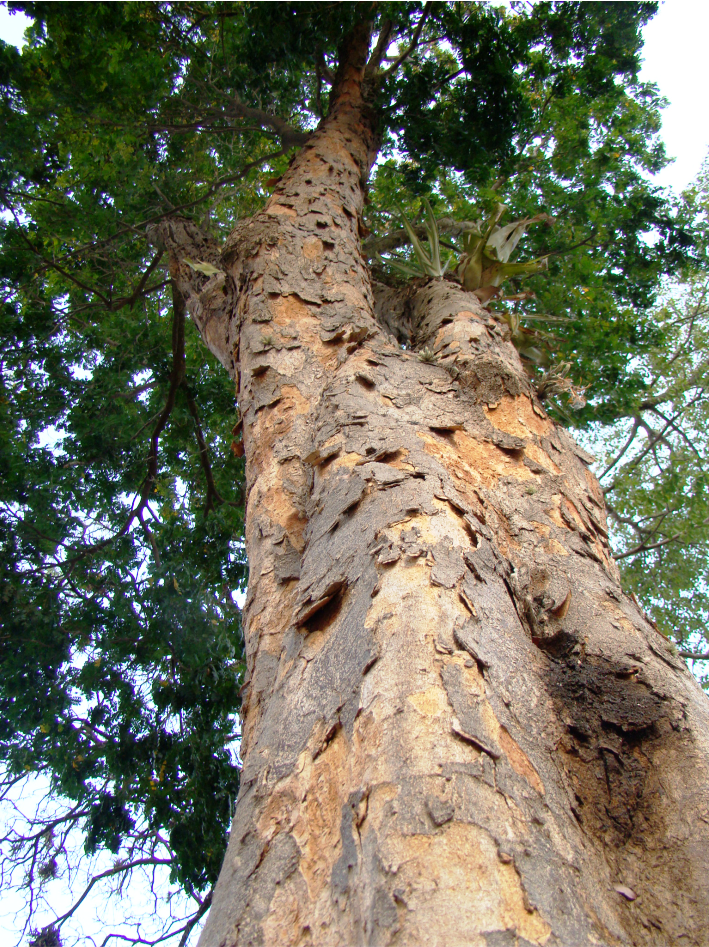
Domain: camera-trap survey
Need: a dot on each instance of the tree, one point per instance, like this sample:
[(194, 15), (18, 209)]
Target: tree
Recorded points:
[(653, 473), (456, 728)]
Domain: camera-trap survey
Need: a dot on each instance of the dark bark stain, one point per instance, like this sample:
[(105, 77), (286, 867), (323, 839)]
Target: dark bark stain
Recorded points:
[(610, 718)]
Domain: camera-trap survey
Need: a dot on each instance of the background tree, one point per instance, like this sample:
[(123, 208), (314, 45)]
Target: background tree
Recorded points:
[(653, 466), (136, 136)]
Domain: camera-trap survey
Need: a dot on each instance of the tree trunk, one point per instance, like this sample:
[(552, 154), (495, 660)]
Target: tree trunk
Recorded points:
[(456, 728)]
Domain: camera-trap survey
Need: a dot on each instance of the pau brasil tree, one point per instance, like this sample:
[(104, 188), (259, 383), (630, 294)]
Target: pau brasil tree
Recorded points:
[(457, 728)]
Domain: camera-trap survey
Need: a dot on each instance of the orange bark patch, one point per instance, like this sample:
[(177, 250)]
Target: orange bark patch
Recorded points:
[(292, 311), (281, 209), (473, 462), (283, 924), (456, 875), (312, 248), (352, 296), (555, 548), (519, 761), (595, 488), (287, 309), (541, 457), (516, 416), (574, 513), (431, 703), (277, 504), (466, 314), (293, 400), (349, 461), (554, 514), (316, 824)]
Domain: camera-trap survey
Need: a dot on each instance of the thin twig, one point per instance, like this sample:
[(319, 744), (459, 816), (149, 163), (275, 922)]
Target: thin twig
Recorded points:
[(107, 874), (648, 548)]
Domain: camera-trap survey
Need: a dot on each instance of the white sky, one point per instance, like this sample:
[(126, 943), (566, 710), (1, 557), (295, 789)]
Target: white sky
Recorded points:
[(676, 57)]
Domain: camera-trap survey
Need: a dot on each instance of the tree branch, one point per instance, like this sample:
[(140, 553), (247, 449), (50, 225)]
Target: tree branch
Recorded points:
[(202, 910), (212, 492), (107, 874), (177, 375), (642, 547), (631, 438), (289, 136), (414, 43), (380, 48), (207, 296)]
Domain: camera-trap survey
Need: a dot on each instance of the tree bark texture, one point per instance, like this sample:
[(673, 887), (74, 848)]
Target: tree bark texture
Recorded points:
[(456, 728)]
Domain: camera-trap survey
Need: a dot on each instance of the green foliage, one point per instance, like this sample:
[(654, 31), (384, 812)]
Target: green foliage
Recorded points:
[(653, 470), (427, 262), (468, 125)]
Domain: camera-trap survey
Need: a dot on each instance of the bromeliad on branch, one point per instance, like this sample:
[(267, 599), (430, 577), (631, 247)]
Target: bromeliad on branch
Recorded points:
[(481, 261), (483, 251)]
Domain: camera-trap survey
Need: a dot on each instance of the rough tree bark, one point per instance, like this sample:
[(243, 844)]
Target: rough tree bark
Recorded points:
[(456, 728)]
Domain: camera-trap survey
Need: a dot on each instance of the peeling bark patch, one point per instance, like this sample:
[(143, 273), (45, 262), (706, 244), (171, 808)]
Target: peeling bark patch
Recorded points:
[(519, 761), (287, 563), (465, 635), (453, 875), (475, 721), (472, 462), (440, 810), (279, 862), (383, 474), (448, 568), (516, 416), (332, 590), (348, 859)]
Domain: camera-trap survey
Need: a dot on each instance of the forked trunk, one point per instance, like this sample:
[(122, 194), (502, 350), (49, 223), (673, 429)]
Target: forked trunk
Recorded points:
[(456, 728)]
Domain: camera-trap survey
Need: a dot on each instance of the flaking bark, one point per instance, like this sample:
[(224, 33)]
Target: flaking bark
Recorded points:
[(456, 728)]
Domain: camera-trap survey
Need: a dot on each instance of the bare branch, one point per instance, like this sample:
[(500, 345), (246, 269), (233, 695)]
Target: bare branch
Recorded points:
[(196, 269), (202, 910), (289, 136), (107, 874), (631, 438), (213, 495)]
